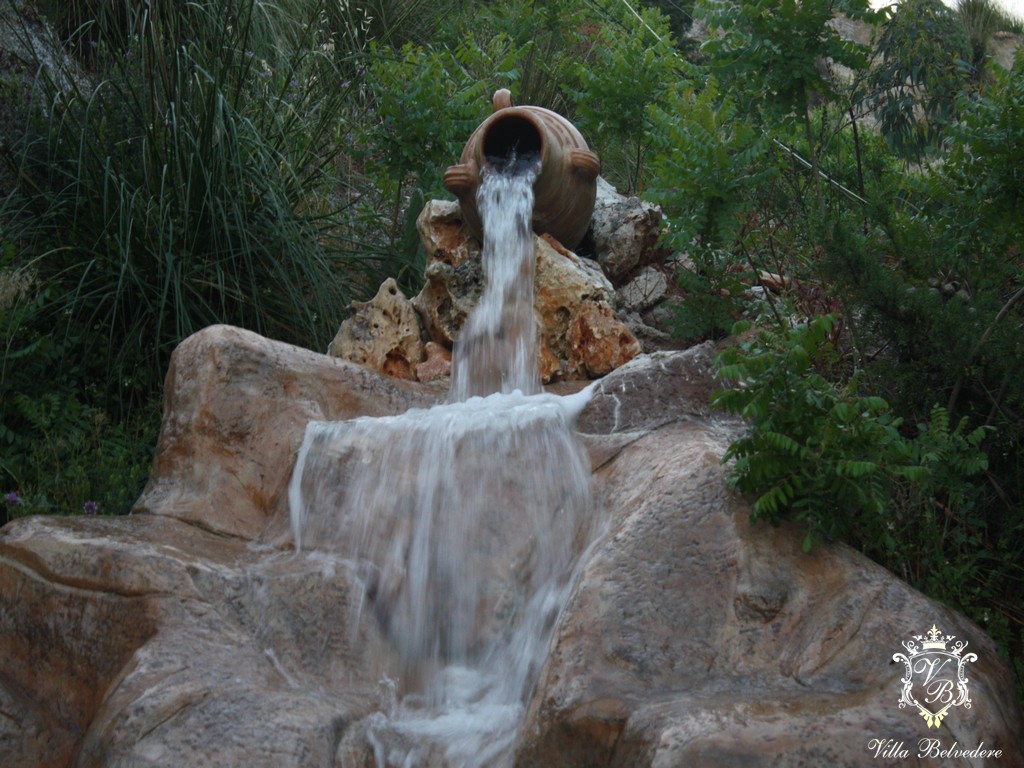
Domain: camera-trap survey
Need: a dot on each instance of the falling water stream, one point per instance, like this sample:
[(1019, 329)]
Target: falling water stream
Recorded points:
[(464, 520)]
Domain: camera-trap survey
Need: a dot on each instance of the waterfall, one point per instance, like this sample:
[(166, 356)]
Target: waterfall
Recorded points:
[(497, 347), (464, 521)]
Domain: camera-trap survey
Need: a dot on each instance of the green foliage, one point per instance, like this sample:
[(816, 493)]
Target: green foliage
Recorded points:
[(840, 461), (709, 161), (924, 54), (984, 169), (705, 172), (185, 188), (629, 73), (773, 51), (69, 458), (427, 103), (714, 285), (814, 452), (981, 19), (57, 453)]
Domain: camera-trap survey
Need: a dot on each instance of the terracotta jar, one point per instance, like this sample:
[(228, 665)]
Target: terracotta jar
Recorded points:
[(566, 187)]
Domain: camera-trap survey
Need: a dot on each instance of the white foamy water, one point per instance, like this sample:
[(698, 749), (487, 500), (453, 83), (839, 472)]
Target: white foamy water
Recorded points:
[(464, 521), (497, 346)]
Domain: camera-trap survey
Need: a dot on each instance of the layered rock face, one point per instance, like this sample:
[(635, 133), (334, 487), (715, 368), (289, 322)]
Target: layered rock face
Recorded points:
[(192, 633)]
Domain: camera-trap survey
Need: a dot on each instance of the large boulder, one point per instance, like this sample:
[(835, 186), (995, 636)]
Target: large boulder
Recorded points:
[(192, 632), (236, 407), (144, 641), (696, 639)]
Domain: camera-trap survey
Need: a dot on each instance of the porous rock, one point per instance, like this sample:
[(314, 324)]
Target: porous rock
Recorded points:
[(449, 294), (382, 334), (598, 342), (565, 284), (436, 365)]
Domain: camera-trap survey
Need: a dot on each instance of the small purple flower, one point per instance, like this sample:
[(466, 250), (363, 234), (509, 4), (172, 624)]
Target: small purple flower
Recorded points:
[(13, 499), (90, 507)]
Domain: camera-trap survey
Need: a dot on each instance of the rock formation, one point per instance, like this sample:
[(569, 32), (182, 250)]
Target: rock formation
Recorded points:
[(573, 294), (382, 334), (191, 633)]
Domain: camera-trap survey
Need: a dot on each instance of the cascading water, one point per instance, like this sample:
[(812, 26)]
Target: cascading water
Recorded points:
[(464, 520), (497, 347)]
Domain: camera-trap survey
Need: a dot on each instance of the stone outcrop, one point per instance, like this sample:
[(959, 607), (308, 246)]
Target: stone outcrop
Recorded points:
[(191, 633), (646, 290), (598, 342), (624, 231), (696, 639), (571, 292), (382, 334), (147, 641)]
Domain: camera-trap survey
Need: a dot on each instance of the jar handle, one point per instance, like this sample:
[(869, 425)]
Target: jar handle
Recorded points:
[(461, 179), (586, 163), (502, 99)]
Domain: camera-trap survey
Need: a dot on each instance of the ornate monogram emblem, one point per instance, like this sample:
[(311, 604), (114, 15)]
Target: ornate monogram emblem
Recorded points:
[(934, 680)]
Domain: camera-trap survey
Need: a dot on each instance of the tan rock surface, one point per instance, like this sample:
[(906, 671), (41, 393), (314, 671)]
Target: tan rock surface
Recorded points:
[(625, 231), (145, 641), (565, 283), (382, 334), (235, 410), (694, 638), (436, 365), (691, 637)]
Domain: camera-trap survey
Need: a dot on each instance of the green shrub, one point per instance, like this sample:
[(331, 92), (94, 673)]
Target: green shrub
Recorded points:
[(184, 184), (846, 466), (630, 71), (923, 54)]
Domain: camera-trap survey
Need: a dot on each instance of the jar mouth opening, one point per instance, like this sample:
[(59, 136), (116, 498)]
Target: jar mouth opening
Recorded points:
[(512, 137)]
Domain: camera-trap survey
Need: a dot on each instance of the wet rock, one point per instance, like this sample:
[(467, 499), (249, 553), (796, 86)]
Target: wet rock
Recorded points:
[(653, 390), (448, 296), (564, 283), (694, 638), (182, 635), (146, 641), (437, 364), (444, 234), (383, 334)]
